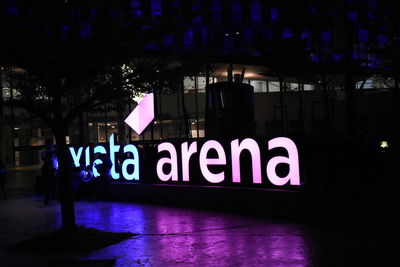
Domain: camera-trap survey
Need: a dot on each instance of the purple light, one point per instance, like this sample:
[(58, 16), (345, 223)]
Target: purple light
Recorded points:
[(182, 237), (186, 154), (292, 160), (253, 148), (204, 161), (172, 161), (142, 115), (168, 168)]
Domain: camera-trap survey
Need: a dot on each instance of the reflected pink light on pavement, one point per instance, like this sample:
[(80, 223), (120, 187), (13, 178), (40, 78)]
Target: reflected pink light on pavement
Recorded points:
[(181, 237)]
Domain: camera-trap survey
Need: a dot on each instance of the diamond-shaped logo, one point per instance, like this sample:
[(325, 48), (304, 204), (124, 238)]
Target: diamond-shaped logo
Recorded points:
[(142, 115)]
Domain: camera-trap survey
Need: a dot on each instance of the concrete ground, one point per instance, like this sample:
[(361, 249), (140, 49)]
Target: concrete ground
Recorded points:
[(171, 236)]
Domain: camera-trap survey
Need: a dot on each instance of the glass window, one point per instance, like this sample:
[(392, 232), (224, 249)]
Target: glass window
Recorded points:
[(259, 86), (309, 87), (273, 86), (189, 83)]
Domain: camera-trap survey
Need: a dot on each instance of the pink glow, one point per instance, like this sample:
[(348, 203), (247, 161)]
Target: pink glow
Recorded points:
[(173, 161), (204, 161), (254, 150), (292, 160), (142, 115), (186, 154)]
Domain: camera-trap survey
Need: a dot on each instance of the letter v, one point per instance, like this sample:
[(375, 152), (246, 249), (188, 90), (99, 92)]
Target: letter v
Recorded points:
[(76, 156)]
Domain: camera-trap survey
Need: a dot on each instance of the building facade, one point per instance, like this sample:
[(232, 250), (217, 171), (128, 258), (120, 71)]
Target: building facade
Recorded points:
[(296, 58)]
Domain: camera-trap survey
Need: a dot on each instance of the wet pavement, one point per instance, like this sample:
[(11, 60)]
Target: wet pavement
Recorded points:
[(171, 236)]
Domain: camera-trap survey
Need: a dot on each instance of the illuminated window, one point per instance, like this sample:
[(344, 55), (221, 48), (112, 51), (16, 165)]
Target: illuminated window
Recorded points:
[(259, 86)]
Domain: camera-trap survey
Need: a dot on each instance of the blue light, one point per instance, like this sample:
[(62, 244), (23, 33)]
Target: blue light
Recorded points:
[(156, 8), (76, 156), (12, 11), (100, 150), (248, 34), (314, 58), (216, 6), (286, 33), (216, 9), (84, 30), (337, 57), (87, 156), (274, 14), (196, 5), (352, 16), (65, 27), (188, 37), (135, 162), (363, 35), (256, 12), (135, 3), (382, 39), (197, 20), (55, 162), (94, 168), (372, 4), (204, 33), (370, 16), (168, 39), (236, 11), (304, 35), (113, 149), (326, 38), (150, 46)]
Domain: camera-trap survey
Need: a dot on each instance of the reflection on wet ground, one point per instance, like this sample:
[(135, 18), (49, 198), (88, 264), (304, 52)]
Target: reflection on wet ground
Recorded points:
[(169, 236)]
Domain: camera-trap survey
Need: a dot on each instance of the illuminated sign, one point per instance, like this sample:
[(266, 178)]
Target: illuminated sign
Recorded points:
[(142, 115), (242, 161)]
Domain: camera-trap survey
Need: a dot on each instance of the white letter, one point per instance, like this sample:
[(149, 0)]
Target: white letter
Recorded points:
[(204, 161), (173, 161), (113, 149), (254, 150), (134, 161), (76, 156), (292, 160), (100, 150), (87, 156), (186, 154)]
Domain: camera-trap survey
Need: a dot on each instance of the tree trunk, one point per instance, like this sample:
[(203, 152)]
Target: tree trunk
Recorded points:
[(81, 129), (301, 106), (396, 109), (326, 102), (120, 107), (185, 113), (281, 106), (64, 167), (350, 105), (121, 121)]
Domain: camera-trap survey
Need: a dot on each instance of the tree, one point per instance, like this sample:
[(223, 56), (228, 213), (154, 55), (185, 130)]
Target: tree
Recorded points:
[(65, 57)]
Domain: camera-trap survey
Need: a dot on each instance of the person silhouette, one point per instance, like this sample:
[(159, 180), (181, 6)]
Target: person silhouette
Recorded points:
[(49, 171)]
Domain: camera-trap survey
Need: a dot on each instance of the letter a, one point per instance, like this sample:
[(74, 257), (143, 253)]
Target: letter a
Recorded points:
[(135, 162), (173, 161), (292, 160)]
